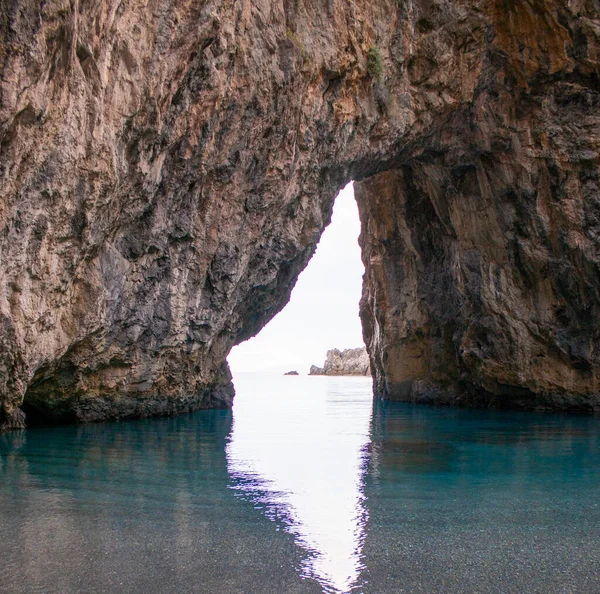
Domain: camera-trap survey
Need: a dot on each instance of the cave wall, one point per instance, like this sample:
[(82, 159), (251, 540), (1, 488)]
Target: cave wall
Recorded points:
[(168, 167), (481, 244)]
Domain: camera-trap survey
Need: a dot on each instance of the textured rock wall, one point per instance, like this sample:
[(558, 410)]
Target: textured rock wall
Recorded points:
[(167, 168), (482, 243), (346, 362)]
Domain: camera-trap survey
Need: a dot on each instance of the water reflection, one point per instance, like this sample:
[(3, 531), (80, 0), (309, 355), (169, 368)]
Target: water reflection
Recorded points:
[(311, 487), (135, 507), (480, 501), (298, 451)]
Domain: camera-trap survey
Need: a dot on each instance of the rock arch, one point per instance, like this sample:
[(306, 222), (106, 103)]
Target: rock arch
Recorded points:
[(168, 167)]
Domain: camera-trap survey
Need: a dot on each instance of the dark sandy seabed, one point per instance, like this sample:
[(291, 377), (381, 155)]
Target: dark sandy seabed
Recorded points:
[(308, 486)]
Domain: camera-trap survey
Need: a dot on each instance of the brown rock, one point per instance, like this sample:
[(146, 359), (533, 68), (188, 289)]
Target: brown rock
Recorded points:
[(167, 169)]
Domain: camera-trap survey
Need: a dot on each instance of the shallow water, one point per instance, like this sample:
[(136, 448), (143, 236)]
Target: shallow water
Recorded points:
[(308, 486)]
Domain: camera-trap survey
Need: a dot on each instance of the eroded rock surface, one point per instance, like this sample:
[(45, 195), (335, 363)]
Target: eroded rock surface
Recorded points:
[(167, 168), (346, 362), (482, 244)]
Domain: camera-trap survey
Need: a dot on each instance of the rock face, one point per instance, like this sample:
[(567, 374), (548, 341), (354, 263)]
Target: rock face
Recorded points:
[(346, 362), (482, 242), (167, 168)]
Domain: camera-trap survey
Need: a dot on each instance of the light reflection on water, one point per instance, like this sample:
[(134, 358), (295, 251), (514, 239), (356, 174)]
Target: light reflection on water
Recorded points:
[(307, 487), (298, 449)]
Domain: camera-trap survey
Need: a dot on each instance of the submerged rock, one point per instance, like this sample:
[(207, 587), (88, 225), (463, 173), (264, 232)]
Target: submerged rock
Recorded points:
[(346, 362), (167, 170)]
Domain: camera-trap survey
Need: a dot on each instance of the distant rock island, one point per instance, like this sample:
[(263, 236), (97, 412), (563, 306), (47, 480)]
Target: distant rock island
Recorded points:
[(291, 373), (346, 362)]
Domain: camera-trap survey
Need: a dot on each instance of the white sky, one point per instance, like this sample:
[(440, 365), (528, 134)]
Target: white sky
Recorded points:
[(323, 311)]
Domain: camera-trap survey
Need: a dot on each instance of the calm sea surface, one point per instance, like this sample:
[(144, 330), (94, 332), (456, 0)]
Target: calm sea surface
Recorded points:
[(308, 486)]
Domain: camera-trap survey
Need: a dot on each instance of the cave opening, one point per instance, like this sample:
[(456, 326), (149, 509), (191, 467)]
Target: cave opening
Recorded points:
[(38, 416), (44, 403), (323, 309), (299, 446)]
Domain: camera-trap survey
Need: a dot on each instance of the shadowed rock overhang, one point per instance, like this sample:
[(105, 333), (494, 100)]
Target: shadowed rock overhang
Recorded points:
[(167, 169)]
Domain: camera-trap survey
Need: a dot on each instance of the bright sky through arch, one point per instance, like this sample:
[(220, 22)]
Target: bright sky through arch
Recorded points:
[(323, 311)]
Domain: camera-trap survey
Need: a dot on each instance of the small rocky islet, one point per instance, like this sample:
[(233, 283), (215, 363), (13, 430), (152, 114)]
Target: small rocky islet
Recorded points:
[(346, 362)]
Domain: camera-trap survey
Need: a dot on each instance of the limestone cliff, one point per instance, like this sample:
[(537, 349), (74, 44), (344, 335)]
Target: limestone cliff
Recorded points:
[(346, 362), (167, 168)]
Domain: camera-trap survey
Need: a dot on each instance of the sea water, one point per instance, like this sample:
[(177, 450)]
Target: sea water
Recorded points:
[(307, 486)]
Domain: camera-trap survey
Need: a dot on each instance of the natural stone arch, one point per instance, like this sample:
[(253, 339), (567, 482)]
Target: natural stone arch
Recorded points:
[(167, 169)]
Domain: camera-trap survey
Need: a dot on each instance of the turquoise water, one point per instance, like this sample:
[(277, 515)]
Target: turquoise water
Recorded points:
[(307, 486)]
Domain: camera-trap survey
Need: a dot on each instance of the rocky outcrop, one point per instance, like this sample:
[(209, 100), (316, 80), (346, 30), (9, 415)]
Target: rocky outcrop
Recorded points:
[(167, 168), (291, 373), (346, 362), (481, 244)]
